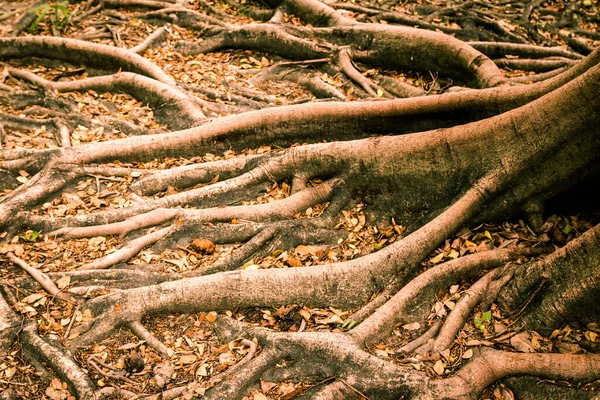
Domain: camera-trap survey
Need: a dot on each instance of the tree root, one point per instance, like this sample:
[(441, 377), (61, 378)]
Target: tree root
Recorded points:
[(44, 350), (569, 292), (172, 106), (470, 65), (437, 182), (87, 53)]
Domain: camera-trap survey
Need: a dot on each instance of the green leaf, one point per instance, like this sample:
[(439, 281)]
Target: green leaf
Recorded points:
[(348, 324), (567, 229), (41, 12), (30, 236), (63, 10), (478, 322), (487, 316)]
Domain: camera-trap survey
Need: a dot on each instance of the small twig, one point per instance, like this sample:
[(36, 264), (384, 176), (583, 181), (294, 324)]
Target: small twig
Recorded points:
[(102, 363), (106, 178), (354, 389), (87, 13), (92, 360), (520, 312), (305, 62), (252, 350), (64, 134), (116, 36), (12, 383), (231, 371), (2, 134), (68, 331)]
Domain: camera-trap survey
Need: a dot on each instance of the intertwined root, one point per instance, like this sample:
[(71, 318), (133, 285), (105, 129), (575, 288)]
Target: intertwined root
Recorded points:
[(435, 181)]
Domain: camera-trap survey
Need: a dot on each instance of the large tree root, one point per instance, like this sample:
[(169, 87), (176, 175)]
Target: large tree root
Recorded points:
[(469, 65), (567, 294), (83, 52), (172, 106), (528, 143), (194, 139), (40, 350)]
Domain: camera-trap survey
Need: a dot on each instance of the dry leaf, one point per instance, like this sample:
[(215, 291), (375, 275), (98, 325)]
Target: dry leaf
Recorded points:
[(162, 373), (32, 298), (187, 359), (569, 348), (203, 246), (334, 319), (522, 343), (201, 371), (439, 367), (304, 250), (411, 327), (211, 316), (63, 282), (267, 386), (305, 314), (437, 258)]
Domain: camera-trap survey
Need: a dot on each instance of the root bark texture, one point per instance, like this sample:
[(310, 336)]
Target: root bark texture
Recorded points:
[(333, 169)]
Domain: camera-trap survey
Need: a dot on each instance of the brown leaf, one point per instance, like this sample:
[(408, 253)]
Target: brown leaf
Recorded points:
[(439, 367), (294, 262), (412, 326), (202, 246), (267, 386), (304, 250), (437, 258), (187, 359), (211, 316), (569, 348), (334, 319), (522, 343)]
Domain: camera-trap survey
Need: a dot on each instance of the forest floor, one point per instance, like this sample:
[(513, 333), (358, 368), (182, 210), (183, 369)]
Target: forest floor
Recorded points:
[(197, 357)]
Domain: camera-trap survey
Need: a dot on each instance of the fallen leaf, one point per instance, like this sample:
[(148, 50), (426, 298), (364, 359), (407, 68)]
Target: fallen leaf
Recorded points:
[(305, 314), (437, 258), (522, 343), (267, 386), (201, 371), (334, 319), (187, 359), (439, 367), (32, 298), (412, 326), (203, 246), (304, 250), (162, 373), (211, 316), (63, 282), (569, 348)]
